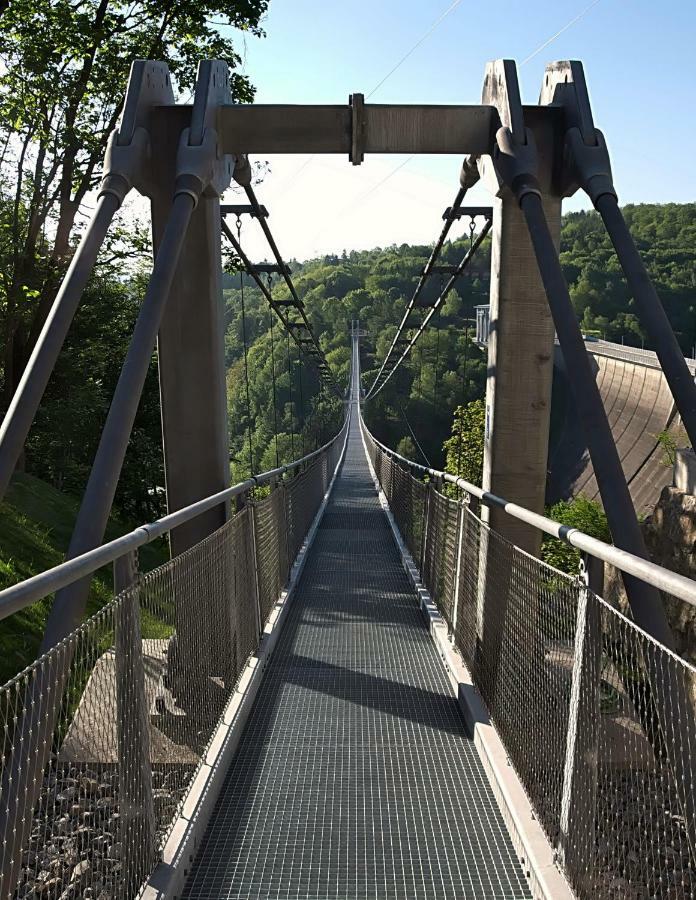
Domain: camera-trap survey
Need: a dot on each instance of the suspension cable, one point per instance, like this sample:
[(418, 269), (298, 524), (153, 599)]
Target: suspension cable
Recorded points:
[(292, 416), (246, 355), (273, 379), (302, 411), (437, 354), (413, 434), (376, 388), (312, 347), (463, 398), (432, 259), (317, 358)]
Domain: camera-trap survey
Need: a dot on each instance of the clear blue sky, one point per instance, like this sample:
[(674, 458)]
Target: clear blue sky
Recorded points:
[(638, 57)]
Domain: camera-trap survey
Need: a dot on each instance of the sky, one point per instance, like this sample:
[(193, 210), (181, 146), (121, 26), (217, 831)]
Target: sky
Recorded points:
[(638, 59)]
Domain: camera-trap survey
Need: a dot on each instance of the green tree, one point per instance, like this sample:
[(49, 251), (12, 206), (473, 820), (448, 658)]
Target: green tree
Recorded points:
[(63, 73), (582, 513), (464, 449)]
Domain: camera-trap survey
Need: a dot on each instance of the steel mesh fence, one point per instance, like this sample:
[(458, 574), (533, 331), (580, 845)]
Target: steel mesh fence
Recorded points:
[(440, 551), (129, 702), (598, 719), (304, 492), (271, 534), (408, 504)]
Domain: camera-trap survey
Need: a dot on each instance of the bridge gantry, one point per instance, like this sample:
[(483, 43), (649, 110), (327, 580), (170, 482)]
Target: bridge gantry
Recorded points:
[(285, 627)]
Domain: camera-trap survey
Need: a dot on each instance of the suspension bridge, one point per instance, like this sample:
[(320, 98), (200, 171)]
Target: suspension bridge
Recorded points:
[(354, 677)]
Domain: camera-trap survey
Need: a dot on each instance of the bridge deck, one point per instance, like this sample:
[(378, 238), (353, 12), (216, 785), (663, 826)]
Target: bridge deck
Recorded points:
[(355, 777)]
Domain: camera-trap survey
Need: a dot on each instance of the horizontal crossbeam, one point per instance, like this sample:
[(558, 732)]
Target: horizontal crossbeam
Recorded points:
[(243, 209), (458, 212), (269, 269), (283, 128)]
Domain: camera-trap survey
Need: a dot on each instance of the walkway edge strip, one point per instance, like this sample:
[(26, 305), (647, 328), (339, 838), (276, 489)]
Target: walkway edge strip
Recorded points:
[(168, 879), (536, 854)]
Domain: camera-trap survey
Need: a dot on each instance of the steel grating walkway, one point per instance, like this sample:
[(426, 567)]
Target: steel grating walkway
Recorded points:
[(355, 777)]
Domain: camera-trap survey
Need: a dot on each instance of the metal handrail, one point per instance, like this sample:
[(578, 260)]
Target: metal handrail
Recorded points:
[(670, 582), (20, 595)]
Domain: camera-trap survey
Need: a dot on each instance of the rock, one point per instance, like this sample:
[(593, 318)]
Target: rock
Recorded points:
[(49, 888), (83, 836), (81, 871), (89, 786), (63, 825)]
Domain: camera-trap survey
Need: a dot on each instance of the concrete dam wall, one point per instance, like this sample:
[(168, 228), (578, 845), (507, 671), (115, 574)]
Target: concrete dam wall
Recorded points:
[(639, 406)]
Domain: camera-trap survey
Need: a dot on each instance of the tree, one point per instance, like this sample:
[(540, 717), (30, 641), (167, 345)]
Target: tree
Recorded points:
[(582, 513), (464, 449), (64, 68)]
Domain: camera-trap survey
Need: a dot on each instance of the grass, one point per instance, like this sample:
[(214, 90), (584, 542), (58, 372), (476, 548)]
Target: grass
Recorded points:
[(36, 522)]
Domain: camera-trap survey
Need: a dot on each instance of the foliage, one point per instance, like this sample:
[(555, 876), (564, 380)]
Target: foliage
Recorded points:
[(372, 286), (406, 447), (64, 69), (582, 513), (464, 449), (665, 235), (670, 443), (36, 522), (63, 442)]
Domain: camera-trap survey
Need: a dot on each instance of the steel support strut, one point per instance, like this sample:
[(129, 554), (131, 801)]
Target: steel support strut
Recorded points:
[(200, 168), (515, 161), (587, 164), (645, 601), (125, 164)]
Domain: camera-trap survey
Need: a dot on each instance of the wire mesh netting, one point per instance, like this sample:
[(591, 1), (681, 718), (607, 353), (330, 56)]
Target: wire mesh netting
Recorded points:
[(440, 551), (271, 533), (109, 728), (598, 719)]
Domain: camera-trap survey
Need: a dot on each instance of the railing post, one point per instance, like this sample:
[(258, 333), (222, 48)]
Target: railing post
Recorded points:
[(461, 547), (425, 529), (136, 806), (251, 513), (578, 798)]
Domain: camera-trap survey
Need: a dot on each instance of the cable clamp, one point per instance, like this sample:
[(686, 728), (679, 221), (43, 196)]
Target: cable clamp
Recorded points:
[(469, 174), (124, 164), (196, 164), (590, 164), (516, 164)]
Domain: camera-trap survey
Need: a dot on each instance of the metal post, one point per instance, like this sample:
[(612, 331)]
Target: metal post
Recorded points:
[(95, 509), (587, 164), (645, 601), (254, 562), (136, 807), (579, 794), (461, 546)]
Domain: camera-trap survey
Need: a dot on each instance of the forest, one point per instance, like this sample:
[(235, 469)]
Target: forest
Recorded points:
[(415, 411)]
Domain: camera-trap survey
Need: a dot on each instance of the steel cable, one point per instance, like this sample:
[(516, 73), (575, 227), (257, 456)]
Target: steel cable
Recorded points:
[(273, 382), (292, 417)]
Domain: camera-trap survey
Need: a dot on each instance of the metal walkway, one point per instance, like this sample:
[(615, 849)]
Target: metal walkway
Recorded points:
[(355, 777)]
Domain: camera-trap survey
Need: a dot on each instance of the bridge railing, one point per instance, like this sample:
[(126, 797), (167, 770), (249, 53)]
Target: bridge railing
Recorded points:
[(138, 689), (598, 719)]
